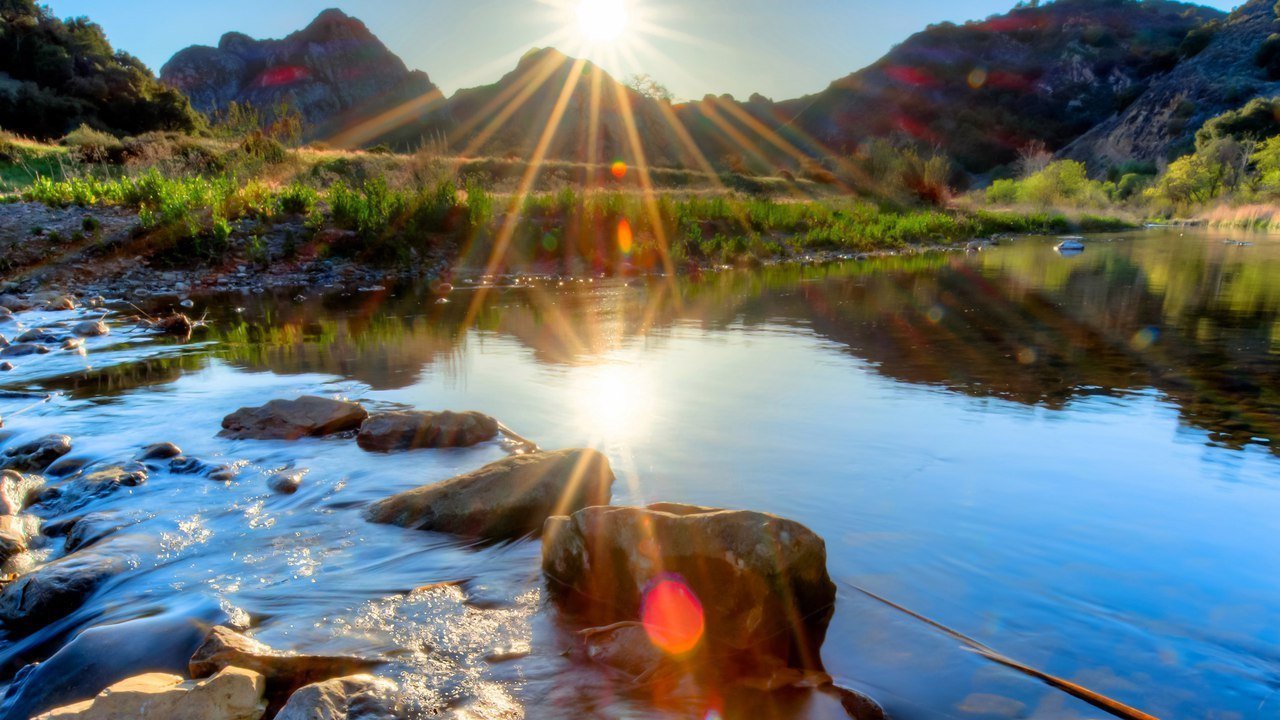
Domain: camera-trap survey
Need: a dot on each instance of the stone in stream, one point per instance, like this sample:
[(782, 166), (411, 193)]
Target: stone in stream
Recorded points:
[(38, 335), (102, 656), (17, 491), (13, 536), (92, 528), (14, 304), (285, 483), (36, 455), (72, 343), (233, 694), (79, 490), (392, 431), (4, 341), (759, 582), (6, 314), (506, 499), (91, 328), (356, 697), (6, 366), (60, 303), (285, 673), (57, 589), (24, 349), (293, 419), (183, 465), (160, 451)]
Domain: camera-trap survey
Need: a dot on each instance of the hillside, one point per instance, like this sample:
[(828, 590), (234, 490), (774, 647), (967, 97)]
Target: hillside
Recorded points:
[(1162, 122), (335, 72), (55, 76)]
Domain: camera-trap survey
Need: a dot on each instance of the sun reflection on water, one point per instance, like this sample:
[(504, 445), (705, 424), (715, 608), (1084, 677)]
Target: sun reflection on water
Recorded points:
[(615, 402)]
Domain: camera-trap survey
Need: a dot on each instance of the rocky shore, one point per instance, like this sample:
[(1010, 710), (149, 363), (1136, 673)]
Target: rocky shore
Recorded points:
[(669, 596)]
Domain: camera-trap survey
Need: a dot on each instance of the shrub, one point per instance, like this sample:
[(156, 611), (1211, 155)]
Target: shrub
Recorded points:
[(94, 146), (1268, 57)]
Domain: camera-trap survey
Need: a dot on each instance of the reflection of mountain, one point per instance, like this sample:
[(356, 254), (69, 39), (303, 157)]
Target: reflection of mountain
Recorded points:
[(1194, 321)]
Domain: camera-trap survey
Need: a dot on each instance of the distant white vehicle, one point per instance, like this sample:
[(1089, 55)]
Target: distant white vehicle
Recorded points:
[(1070, 245)]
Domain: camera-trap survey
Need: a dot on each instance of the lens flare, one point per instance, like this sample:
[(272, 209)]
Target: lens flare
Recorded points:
[(625, 238), (672, 616), (619, 170), (603, 21)]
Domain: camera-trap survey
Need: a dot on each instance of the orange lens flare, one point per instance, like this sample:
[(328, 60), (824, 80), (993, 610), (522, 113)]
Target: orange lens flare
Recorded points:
[(672, 616), (625, 238), (619, 170)]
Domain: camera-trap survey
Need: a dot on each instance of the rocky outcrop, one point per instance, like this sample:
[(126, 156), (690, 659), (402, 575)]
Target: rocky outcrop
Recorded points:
[(233, 694), (506, 499), (293, 419), (334, 72), (392, 431), (1163, 119), (36, 455), (759, 582), (284, 672), (358, 697)]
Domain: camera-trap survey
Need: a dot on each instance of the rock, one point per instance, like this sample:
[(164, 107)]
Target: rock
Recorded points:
[(94, 527), (6, 315), (357, 697), (55, 590), (285, 483), (13, 537), (16, 491), (91, 328), (36, 455), (160, 451), (233, 694), (73, 344), (102, 656), (66, 466), (183, 465), (14, 304), (761, 580), (23, 349), (37, 335), (387, 432), (624, 647), (4, 341), (6, 366), (292, 419), (60, 303), (505, 499), (284, 672), (178, 325)]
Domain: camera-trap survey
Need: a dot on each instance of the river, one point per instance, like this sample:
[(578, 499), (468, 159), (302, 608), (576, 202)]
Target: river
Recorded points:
[(1071, 459)]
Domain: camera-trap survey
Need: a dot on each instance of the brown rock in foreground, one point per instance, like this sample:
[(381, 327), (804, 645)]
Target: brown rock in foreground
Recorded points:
[(233, 694), (307, 416), (392, 431), (761, 580), (506, 499), (357, 696)]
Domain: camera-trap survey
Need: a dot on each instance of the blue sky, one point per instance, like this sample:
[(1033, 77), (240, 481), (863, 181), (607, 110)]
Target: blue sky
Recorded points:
[(779, 48)]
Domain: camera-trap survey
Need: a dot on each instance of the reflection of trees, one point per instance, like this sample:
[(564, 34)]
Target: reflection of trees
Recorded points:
[(124, 377), (1195, 321)]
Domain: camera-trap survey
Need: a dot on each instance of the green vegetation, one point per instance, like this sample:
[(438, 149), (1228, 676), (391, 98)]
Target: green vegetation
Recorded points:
[(60, 75)]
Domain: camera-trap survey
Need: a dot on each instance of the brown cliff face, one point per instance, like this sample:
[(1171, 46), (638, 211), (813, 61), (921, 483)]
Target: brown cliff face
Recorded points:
[(335, 72), (1162, 122)]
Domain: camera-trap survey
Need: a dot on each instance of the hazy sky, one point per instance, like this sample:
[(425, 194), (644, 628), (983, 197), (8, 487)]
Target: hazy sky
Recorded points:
[(781, 48)]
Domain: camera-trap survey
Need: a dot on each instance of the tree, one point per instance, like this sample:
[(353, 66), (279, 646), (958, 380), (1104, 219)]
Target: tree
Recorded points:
[(647, 86)]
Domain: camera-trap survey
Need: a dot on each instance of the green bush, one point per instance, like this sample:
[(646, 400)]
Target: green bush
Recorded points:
[(94, 146)]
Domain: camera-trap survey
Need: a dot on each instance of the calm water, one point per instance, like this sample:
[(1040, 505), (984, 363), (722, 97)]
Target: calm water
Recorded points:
[(1070, 459)]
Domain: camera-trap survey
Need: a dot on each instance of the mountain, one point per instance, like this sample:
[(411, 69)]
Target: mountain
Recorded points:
[(335, 72), (55, 76), (984, 90), (1163, 120)]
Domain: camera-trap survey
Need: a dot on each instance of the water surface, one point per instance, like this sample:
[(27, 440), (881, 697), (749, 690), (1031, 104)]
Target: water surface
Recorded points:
[(1069, 458)]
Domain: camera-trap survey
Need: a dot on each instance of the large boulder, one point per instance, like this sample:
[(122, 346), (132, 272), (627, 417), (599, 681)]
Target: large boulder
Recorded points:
[(36, 455), (59, 588), (358, 697), (392, 431), (506, 499), (233, 694), (284, 672), (307, 416), (759, 583)]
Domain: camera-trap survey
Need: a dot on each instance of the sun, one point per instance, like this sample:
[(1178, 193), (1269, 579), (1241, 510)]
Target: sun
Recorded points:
[(602, 22)]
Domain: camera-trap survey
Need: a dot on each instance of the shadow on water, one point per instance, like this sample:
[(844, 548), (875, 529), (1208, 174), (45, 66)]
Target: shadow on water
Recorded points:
[(1071, 459)]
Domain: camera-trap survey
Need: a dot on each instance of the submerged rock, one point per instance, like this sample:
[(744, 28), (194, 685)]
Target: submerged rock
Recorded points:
[(759, 582), (38, 335), (505, 499), (160, 451), (292, 419), (284, 672), (391, 431), (357, 697), (36, 455), (24, 349), (233, 694), (91, 328), (55, 590), (93, 528), (102, 656)]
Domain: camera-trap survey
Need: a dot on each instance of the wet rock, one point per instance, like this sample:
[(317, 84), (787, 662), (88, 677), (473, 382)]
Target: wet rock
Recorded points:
[(17, 491), (99, 483), (60, 303), (6, 366), (761, 581), (91, 328), (37, 335), (160, 451), (102, 656), (13, 537), (624, 647), (4, 342), (183, 465), (36, 455), (391, 431), (6, 314), (506, 499), (177, 325), (66, 466), (94, 527), (233, 694), (285, 673), (72, 344), (24, 349), (55, 590), (14, 304), (292, 419), (285, 483), (357, 697)]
